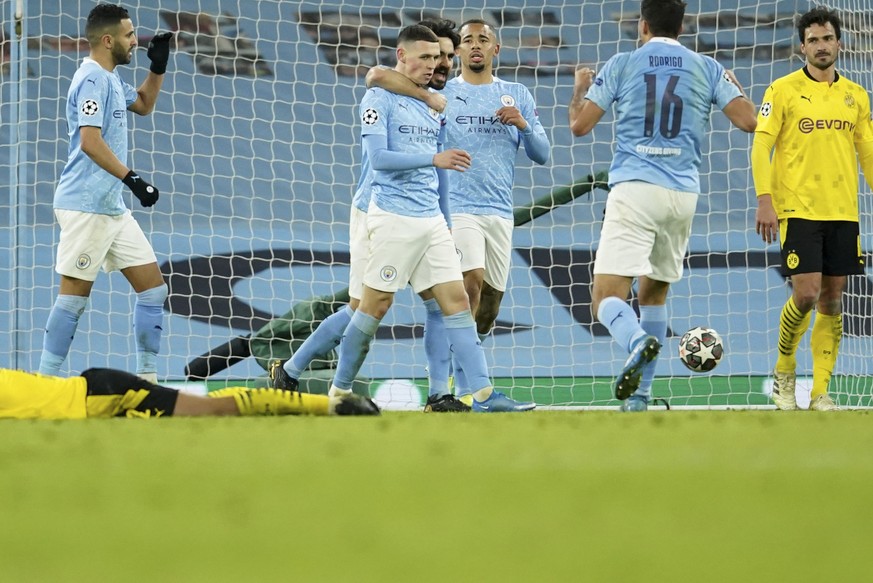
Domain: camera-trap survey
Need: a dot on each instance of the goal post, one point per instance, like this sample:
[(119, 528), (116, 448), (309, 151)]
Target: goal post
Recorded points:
[(255, 147)]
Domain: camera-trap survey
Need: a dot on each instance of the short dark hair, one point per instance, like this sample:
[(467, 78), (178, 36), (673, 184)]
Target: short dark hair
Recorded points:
[(416, 32), (478, 21), (101, 17), (818, 15), (664, 16), (443, 28)]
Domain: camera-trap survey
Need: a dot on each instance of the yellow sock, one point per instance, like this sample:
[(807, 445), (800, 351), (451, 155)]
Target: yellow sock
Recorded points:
[(483, 394), (792, 327), (275, 401), (826, 334)]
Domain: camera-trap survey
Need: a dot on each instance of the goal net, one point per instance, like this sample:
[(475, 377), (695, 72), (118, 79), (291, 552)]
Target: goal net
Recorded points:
[(254, 145)]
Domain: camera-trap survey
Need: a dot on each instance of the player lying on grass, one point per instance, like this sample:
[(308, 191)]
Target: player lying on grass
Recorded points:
[(105, 392)]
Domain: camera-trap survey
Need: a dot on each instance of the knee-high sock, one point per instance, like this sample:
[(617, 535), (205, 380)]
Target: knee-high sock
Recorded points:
[(621, 321), (467, 349), (826, 334), (462, 386), (653, 319), (436, 349), (325, 338), (59, 331), (148, 326), (354, 348), (792, 326), (274, 401)]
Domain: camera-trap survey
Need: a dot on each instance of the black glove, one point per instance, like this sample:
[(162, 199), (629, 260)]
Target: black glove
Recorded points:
[(145, 192), (159, 52)]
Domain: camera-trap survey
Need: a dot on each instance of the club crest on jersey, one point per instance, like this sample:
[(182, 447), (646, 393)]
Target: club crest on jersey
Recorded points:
[(83, 261), (388, 273), (765, 109), (849, 100), (433, 113), (792, 261), (90, 107), (507, 100), (370, 116)]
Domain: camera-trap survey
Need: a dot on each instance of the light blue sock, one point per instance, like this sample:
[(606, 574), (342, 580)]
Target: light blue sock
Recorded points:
[(325, 338), (436, 348), (462, 386), (467, 349), (148, 326), (653, 319), (621, 321), (59, 331), (354, 348)]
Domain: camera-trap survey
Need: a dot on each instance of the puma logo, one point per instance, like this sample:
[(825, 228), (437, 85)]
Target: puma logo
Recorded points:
[(807, 98), (459, 98)]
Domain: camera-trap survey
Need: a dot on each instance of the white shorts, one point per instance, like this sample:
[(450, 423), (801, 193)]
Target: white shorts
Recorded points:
[(418, 251), (359, 247), (645, 231), (484, 242), (90, 241)]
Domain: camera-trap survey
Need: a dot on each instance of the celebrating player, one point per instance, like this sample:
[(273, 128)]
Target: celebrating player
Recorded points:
[(104, 392), (97, 229), (664, 94), (481, 198), (408, 221), (329, 333), (491, 118), (812, 209)]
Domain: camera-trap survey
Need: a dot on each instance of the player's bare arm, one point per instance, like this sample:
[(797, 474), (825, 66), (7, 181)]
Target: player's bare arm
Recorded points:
[(98, 150), (159, 54), (390, 80), (741, 111), (584, 114), (453, 159)]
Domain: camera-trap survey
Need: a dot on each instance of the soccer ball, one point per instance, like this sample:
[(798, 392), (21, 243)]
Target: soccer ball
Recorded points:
[(701, 349)]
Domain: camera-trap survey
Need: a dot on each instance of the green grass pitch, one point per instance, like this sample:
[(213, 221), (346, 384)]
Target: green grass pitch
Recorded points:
[(544, 496)]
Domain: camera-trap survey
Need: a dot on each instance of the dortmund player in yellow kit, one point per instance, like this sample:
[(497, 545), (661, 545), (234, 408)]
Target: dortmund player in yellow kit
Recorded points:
[(104, 392), (819, 124)]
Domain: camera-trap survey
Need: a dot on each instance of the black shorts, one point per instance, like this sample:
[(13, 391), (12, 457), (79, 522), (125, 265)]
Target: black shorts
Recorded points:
[(826, 247), (115, 393)]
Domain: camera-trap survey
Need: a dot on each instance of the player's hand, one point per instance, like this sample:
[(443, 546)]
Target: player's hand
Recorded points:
[(453, 160), (159, 52), (584, 78), (145, 192), (436, 101), (510, 115), (766, 221)]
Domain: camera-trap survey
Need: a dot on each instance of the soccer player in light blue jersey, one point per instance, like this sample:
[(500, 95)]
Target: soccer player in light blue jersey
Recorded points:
[(492, 118), (326, 337), (664, 93), (97, 229), (408, 221)]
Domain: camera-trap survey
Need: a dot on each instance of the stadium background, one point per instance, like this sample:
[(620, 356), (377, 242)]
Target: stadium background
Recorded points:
[(254, 147)]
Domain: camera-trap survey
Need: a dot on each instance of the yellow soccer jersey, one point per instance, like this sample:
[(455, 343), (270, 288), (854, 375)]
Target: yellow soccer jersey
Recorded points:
[(813, 173), (26, 395)]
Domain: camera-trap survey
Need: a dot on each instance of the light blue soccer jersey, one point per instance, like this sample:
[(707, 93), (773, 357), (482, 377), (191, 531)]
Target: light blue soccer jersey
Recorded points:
[(486, 187), (410, 127), (664, 94), (361, 198), (97, 98)]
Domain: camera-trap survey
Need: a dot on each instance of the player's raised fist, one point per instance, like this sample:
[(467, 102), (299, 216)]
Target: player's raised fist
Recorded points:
[(145, 192), (584, 78), (159, 52)]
